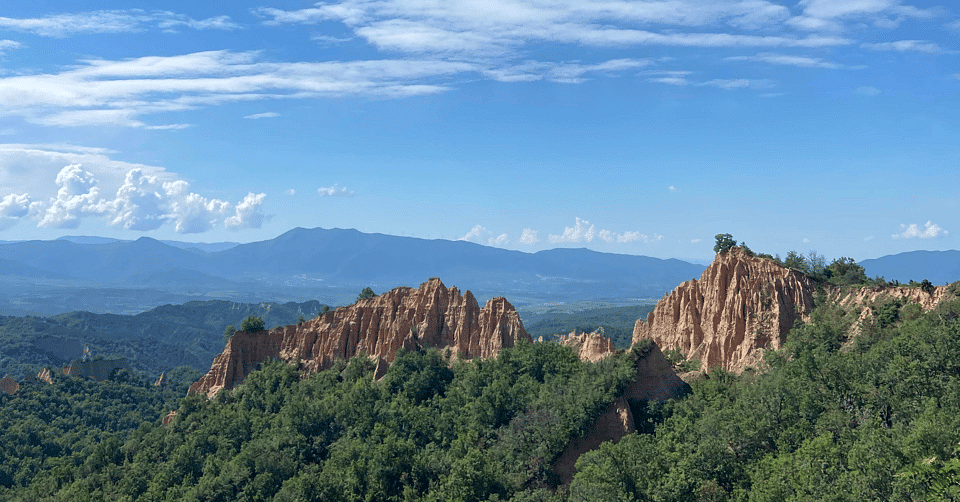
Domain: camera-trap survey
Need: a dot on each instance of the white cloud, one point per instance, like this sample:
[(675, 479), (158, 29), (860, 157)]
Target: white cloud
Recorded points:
[(805, 240), (110, 21), (146, 199), (481, 235), (529, 237), (673, 188), (12, 208), (265, 115), (694, 241), (785, 59), (248, 213), (498, 28), (581, 231), (6, 45), (739, 83), (867, 90), (913, 231), (906, 46), (292, 191), (584, 231), (106, 92), (335, 191), (77, 196)]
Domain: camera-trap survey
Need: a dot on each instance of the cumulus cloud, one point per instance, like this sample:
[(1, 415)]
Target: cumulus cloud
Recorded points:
[(912, 231), (248, 213), (583, 231), (867, 90), (481, 235), (12, 208), (335, 191), (673, 188), (529, 236), (143, 202), (694, 241), (77, 196)]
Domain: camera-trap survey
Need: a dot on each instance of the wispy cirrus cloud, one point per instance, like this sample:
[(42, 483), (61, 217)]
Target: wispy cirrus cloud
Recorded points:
[(111, 21), (265, 115), (789, 60), (107, 92), (906, 46), (498, 28), (6, 45)]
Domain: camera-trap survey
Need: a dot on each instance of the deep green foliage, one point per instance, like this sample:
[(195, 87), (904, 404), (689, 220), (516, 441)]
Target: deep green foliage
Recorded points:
[(428, 430), (366, 293), (724, 243), (875, 417), (168, 336), (828, 420), (75, 427), (252, 324), (229, 332)]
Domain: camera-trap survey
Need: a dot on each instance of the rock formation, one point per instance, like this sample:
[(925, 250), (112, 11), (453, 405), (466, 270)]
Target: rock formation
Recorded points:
[(655, 380), (740, 305), (429, 316), (98, 369), (590, 347), (863, 296)]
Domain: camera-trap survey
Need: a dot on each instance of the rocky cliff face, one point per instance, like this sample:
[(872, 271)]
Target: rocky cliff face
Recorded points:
[(738, 306), (590, 347), (429, 316)]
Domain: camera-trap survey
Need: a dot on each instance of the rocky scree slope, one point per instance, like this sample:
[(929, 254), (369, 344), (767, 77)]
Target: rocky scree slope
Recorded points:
[(429, 316)]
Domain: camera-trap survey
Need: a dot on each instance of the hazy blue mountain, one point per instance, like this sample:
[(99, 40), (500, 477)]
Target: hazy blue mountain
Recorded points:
[(331, 265), (939, 267)]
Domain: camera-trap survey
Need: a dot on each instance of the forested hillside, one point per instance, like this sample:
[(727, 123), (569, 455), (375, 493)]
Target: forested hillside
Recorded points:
[(875, 417), (154, 341)]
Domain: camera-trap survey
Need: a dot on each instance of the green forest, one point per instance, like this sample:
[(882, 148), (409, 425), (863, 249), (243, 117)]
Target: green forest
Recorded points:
[(874, 417)]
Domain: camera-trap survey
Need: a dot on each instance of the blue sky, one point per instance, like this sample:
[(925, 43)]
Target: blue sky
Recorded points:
[(622, 126)]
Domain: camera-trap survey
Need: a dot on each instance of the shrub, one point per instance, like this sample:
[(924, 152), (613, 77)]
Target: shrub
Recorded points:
[(252, 324)]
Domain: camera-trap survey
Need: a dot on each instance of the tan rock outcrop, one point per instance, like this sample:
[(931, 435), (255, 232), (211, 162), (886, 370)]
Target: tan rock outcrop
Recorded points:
[(45, 376), (655, 380), (9, 385), (99, 369), (429, 316), (168, 419), (590, 347), (863, 296), (740, 305)]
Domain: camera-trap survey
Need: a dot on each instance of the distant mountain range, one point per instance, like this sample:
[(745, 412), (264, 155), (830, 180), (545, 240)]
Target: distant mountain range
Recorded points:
[(330, 265), (939, 267), (333, 265)]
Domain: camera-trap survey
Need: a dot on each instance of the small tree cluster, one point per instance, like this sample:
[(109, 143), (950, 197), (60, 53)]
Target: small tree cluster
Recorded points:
[(724, 243), (253, 324)]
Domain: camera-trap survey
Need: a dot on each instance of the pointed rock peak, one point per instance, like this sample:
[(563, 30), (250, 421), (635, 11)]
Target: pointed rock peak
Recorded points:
[(428, 316), (741, 305)]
